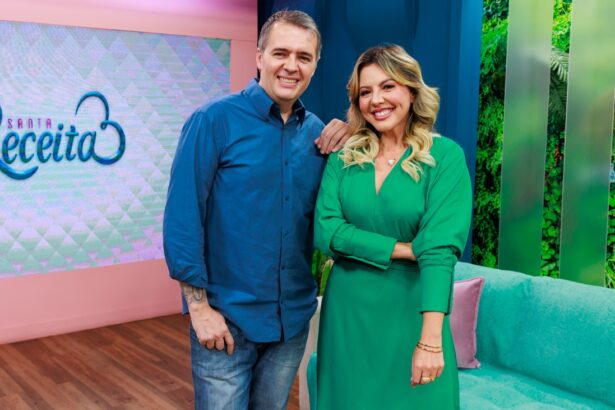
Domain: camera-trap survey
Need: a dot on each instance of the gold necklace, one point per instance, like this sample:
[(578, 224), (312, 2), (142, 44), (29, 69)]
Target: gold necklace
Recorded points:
[(391, 161)]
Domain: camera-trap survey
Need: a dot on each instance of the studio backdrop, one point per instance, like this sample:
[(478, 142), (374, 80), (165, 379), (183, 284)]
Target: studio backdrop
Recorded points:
[(89, 123)]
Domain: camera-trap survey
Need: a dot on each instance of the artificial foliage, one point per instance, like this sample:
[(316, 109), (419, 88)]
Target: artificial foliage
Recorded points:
[(490, 131), (490, 134)]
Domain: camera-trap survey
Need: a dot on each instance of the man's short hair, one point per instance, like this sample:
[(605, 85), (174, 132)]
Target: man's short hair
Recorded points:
[(294, 17)]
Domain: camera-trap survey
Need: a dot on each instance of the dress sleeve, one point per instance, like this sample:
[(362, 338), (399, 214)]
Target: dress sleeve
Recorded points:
[(335, 236), (443, 229), (192, 173)]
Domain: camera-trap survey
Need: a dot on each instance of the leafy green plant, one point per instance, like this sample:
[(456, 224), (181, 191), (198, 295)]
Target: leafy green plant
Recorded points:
[(321, 267), (552, 205), (490, 132)]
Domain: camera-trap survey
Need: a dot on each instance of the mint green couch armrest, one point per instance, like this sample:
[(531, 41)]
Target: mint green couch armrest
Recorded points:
[(556, 331)]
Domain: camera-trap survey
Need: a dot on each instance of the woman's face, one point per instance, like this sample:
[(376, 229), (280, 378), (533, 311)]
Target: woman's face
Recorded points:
[(384, 103)]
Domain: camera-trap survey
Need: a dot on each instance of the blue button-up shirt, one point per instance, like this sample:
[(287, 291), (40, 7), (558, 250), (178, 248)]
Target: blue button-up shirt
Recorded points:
[(239, 214)]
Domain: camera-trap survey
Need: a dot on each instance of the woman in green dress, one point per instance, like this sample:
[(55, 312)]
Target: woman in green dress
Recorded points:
[(394, 209)]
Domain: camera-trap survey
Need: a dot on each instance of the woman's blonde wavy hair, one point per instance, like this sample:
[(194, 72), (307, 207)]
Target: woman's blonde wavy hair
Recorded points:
[(363, 146)]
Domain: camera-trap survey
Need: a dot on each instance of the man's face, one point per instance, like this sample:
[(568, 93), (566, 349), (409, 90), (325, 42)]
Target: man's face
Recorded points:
[(287, 63)]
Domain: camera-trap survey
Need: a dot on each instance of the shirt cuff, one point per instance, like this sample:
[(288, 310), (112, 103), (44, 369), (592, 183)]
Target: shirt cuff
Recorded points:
[(369, 248), (437, 287)]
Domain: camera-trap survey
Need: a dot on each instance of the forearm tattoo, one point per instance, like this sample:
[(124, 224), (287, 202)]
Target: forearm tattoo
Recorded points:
[(192, 294)]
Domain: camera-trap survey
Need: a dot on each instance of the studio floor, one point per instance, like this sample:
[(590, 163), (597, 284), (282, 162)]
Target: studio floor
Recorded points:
[(137, 365)]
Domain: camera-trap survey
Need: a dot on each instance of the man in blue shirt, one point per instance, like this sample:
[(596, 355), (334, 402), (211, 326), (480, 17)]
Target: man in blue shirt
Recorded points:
[(238, 224)]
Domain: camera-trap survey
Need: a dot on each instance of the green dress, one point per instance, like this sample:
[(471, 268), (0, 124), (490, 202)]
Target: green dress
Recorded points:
[(371, 313)]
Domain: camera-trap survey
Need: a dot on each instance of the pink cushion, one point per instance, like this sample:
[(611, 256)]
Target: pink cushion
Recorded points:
[(466, 296)]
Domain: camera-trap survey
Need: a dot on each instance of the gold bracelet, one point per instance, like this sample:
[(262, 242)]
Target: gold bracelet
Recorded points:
[(427, 349), (426, 345)]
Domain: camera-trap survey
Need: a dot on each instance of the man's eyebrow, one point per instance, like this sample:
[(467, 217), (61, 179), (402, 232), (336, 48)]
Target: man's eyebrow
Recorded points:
[(286, 50)]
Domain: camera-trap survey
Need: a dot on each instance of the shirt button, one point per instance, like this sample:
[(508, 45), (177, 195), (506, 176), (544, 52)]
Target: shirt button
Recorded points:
[(283, 266), (285, 162), (286, 198)]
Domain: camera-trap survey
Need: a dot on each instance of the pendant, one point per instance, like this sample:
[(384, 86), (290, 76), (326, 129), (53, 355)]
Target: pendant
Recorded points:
[(390, 162)]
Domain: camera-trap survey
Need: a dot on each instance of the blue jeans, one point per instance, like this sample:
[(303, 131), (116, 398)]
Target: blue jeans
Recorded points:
[(258, 376)]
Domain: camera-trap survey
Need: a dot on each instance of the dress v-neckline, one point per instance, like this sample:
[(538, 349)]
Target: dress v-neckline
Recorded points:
[(378, 189)]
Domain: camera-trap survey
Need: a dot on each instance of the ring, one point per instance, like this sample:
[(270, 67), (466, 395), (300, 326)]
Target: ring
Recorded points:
[(426, 379)]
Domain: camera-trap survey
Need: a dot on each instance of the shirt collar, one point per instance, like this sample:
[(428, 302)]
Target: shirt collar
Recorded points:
[(264, 104)]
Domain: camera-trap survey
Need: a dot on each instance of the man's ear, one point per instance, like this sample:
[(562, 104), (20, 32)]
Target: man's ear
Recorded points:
[(259, 59)]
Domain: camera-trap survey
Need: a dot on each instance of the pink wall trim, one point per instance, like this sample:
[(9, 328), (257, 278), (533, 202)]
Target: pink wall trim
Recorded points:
[(228, 19), (54, 303)]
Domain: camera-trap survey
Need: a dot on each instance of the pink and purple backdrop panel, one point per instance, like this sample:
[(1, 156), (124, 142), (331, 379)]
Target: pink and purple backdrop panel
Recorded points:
[(79, 213)]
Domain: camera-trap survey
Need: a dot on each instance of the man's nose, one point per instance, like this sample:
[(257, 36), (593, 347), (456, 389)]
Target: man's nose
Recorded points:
[(291, 64)]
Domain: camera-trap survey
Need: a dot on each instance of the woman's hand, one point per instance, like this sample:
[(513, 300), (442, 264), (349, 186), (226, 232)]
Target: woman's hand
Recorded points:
[(403, 250), (426, 366), (428, 359)]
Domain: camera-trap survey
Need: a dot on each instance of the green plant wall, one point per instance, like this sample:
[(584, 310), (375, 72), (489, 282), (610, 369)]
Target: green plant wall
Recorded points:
[(489, 146), (490, 131)]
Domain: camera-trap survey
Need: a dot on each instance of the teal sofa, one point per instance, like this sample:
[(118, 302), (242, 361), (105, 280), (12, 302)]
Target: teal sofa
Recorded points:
[(543, 344)]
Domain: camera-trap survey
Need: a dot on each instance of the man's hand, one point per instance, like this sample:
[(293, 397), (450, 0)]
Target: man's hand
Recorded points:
[(333, 136), (208, 324), (211, 329)]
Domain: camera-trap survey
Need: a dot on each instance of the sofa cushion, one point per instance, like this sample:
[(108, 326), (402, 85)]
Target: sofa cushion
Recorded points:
[(552, 330), (492, 388), (466, 298)]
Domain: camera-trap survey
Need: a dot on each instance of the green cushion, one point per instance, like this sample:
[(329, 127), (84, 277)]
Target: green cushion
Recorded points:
[(556, 331), (492, 388)]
